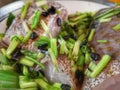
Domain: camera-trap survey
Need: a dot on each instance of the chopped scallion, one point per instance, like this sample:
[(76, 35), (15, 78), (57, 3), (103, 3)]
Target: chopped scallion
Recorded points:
[(105, 20), (15, 41), (53, 46), (81, 60), (25, 71), (3, 59), (116, 11), (63, 47), (44, 7), (35, 61), (101, 65), (87, 72), (26, 38), (116, 27), (32, 54), (105, 13), (1, 36), (24, 84), (91, 35), (35, 19), (26, 62), (40, 2), (92, 66), (10, 19), (76, 49), (53, 58), (44, 26), (87, 58), (102, 41), (24, 10)]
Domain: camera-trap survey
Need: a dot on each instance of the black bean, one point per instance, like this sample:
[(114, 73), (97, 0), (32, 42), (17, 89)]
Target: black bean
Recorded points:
[(80, 76), (89, 50), (66, 37), (118, 15), (16, 54), (73, 36), (65, 87), (75, 28), (33, 36), (59, 21), (18, 68), (83, 43), (95, 56), (94, 24), (52, 10), (43, 51), (43, 47), (45, 14)]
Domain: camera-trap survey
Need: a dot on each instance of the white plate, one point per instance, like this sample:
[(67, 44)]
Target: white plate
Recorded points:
[(82, 6), (72, 7)]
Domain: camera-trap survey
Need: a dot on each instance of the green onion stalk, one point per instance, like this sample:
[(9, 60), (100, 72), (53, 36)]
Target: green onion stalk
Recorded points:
[(46, 86), (116, 27), (92, 66), (26, 83), (35, 61), (26, 61), (35, 20), (3, 59), (115, 12), (53, 46), (45, 27), (101, 65), (32, 54), (53, 58), (41, 2), (105, 13), (87, 73), (63, 46), (6, 67), (91, 35), (102, 41), (24, 10), (87, 58), (27, 31), (15, 41), (105, 20), (76, 50), (1, 36), (8, 79), (81, 60)]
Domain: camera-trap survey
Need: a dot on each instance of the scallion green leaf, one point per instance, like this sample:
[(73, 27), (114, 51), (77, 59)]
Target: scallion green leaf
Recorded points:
[(42, 40), (10, 19)]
